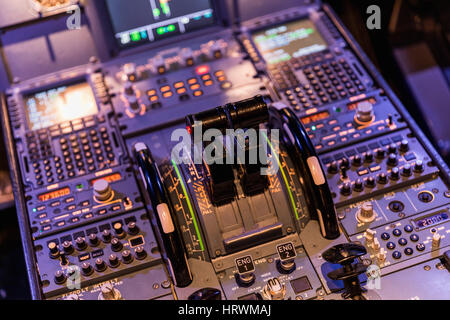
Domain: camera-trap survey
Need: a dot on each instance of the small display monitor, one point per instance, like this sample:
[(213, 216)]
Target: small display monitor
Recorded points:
[(143, 21), (65, 103), (289, 40)]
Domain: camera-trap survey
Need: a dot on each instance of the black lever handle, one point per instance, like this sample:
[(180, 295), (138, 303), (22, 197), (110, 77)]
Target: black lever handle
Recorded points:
[(177, 261), (320, 199)]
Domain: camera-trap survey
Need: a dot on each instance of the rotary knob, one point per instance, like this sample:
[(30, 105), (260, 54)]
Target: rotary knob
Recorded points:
[(100, 265), (359, 185), (346, 189), (118, 229), (368, 157), (392, 159), (132, 228), (356, 160), (113, 260), (140, 253), (392, 148), (380, 153), (370, 182), (116, 245), (274, 290), (404, 145), (67, 247), (418, 166), (59, 277), (86, 268), (54, 251), (102, 190), (382, 178), (395, 174), (81, 243), (106, 235), (364, 112), (108, 292), (406, 171), (126, 256), (365, 213), (333, 168), (93, 240)]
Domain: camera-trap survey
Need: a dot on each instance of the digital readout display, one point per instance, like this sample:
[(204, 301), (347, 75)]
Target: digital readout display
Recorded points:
[(110, 178), (55, 194), (315, 117), (431, 220)]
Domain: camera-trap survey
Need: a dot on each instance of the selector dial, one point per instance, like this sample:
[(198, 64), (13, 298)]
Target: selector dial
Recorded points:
[(364, 113), (102, 190), (274, 290), (108, 292), (365, 213)]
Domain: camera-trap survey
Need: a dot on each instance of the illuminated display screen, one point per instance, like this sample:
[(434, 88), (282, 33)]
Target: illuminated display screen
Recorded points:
[(315, 117), (110, 178), (143, 21), (352, 106), (65, 103), (431, 220), (289, 40), (55, 194)]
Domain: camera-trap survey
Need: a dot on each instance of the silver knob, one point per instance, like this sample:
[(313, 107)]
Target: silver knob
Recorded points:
[(108, 292), (364, 112), (365, 213), (102, 190), (274, 290)]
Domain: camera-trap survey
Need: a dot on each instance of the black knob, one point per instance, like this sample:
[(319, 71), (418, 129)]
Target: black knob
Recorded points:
[(93, 240), (80, 243), (206, 294), (118, 229), (406, 171), (392, 148), (86, 268), (359, 185), (60, 277), (54, 250), (346, 189), (392, 159), (380, 153), (116, 245), (245, 280), (140, 253), (356, 160), (106, 235), (67, 247), (368, 157), (113, 260), (382, 178), (132, 228), (63, 259), (126, 256), (333, 168), (418, 166), (100, 265), (370, 182), (395, 174), (404, 145)]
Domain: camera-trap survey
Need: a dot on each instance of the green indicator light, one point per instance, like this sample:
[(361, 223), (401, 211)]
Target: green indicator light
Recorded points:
[(313, 128), (34, 209), (171, 27), (156, 12), (160, 30), (291, 197), (135, 36), (79, 187), (189, 204), (338, 109)]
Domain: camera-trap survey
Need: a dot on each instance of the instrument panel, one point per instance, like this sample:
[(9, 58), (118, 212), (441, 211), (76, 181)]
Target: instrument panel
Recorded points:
[(108, 210)]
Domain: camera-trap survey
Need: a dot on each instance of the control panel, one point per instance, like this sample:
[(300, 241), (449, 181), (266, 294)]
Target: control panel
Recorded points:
[(118, 196)]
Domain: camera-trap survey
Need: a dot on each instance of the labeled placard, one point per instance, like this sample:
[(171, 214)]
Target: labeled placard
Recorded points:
[(286, 251), (245, 265)]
